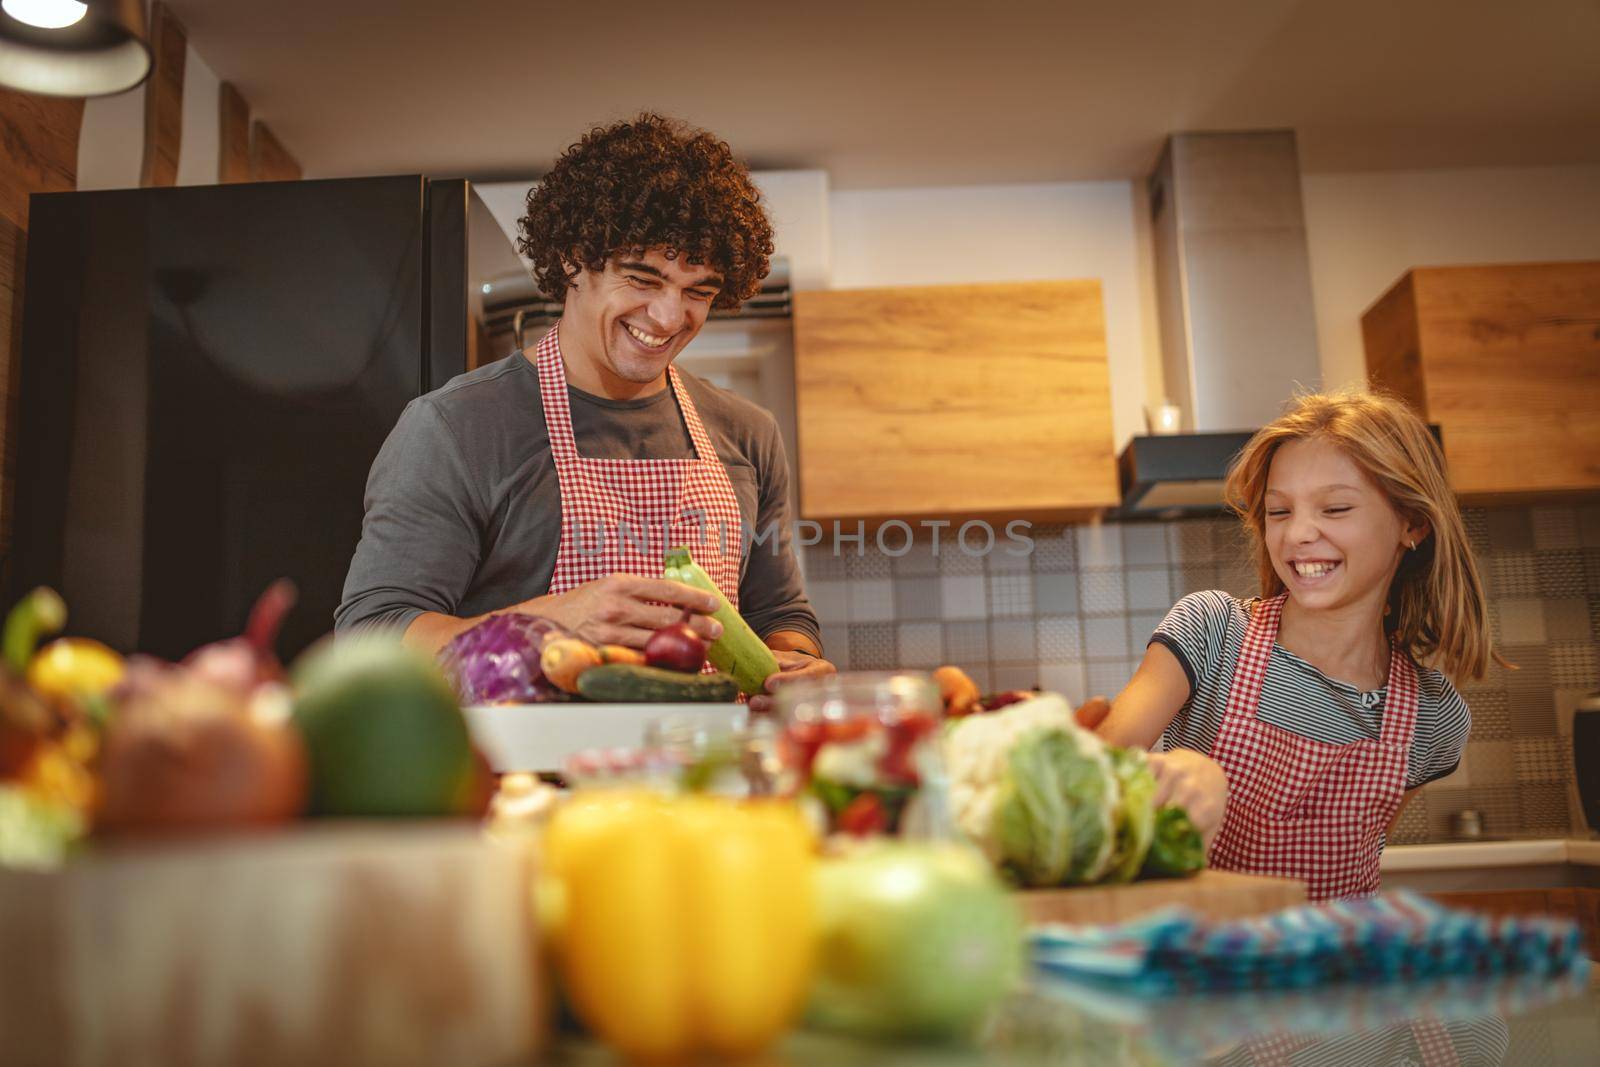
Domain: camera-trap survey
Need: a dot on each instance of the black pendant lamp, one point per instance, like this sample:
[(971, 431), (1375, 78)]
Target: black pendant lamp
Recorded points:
[(71, 48)]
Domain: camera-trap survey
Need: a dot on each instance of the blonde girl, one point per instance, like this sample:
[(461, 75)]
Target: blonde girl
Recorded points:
[(1320, 705)]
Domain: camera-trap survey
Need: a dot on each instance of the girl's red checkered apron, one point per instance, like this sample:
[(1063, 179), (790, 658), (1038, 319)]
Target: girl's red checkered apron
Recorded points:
[(621, 515), (1306, 809)]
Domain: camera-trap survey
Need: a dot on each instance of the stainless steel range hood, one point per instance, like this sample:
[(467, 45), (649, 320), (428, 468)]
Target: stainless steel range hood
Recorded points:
[(1233, 287)]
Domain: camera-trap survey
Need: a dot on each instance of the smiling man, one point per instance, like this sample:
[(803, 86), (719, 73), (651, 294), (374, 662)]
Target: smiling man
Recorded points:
[(553, 481)]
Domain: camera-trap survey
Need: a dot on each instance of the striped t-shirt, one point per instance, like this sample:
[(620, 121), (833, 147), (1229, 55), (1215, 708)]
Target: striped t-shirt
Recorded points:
[(1206, 631)]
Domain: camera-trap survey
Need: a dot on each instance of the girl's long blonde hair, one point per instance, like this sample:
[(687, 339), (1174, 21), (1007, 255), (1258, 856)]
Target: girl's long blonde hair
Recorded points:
[(1436, 608)]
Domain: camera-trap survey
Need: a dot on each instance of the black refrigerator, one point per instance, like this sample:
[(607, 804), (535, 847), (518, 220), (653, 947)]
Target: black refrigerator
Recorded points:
[(205, 375)]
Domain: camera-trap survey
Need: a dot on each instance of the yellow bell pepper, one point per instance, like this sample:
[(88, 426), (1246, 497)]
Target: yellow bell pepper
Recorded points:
[(74, 667), (681, 924)]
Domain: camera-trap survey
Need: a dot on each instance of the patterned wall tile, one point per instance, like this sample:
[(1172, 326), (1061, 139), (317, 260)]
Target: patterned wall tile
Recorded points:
[(1064, 678), (836, 643), (1059, 639), (1099, 545), (1513, 575), (1106, 638), (1055, 550), (1191, 541), (966, 644), (918, 597), (1194, 577), (1057, 594), (1491, 712), (1572, 664), (1510, 530), (872, 600), (1544, 806), (1521, 620), (1010, 594), (1234, 542), (870, 563), (1533, 668), (1555, 528), (1560, 573), (822, 564), (1144, 544), (830, 599), (1014, 676), (921, 644), (873, 646), (1538, 759), (1009, 556), (1012, 640), (1101, 593), (1106, 678), (1533, 713), (963, 596), (1239, 578), (1491, 762), (918, 559), (1567, 619), (1589, 526), (1149, 588), (952, 560), (1476, 521), (981, 677)]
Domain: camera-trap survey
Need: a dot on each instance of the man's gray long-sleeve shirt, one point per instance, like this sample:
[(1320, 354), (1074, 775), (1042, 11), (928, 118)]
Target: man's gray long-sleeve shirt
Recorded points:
[(463, 508)]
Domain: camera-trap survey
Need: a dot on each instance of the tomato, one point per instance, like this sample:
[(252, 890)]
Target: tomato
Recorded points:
[(845, 731), (863, 816)]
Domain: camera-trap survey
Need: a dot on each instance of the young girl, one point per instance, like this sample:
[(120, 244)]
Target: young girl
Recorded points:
[(1315, 700)]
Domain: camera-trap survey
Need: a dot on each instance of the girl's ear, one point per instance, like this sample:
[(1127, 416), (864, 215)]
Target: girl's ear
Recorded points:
[(1416, 532)]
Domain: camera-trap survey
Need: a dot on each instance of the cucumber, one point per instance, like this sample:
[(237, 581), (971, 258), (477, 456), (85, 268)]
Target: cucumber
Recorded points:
[(630, 683), (738, 651)]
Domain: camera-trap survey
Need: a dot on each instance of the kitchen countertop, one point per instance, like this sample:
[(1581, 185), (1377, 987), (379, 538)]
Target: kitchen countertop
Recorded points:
[(1514, 852), (1513, 1021)]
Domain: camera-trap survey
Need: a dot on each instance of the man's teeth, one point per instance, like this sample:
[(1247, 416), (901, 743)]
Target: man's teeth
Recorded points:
[(646, 338), (1313, 570)]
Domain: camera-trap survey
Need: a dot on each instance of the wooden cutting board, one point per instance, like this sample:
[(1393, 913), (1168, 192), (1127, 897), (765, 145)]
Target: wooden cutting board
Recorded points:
[(403, 942), (1214, 894)]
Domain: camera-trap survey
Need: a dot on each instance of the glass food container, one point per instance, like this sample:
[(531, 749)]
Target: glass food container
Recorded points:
[(862, 750)]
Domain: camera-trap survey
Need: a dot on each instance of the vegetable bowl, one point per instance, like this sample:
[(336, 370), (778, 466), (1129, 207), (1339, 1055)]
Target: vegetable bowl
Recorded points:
[(859, 747)]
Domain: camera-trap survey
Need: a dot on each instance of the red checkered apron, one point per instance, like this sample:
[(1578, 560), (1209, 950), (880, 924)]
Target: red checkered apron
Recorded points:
[(621, 515), (1306, 809)]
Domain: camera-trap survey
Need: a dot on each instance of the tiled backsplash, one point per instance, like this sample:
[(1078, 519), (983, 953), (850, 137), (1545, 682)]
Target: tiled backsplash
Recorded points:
[(1074, 616)]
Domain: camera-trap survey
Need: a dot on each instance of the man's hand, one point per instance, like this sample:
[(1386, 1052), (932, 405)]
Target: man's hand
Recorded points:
[(791, 666), (1195, 783), (625, 609)]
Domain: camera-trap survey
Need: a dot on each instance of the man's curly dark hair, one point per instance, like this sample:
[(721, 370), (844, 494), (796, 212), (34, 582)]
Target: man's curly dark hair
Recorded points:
[(651, 182)]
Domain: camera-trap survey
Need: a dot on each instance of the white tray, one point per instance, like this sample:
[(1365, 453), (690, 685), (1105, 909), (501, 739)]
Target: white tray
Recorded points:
[(539, 737)]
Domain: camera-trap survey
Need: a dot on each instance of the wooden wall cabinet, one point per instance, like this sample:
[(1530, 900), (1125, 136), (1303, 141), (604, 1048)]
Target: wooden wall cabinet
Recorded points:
[(954, 401), (1506, 359)]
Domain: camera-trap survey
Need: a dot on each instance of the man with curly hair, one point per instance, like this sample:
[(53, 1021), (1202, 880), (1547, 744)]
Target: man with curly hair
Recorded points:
[(553, 480)]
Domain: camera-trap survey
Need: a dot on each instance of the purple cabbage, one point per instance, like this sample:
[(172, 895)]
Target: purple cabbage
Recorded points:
[(497, 661)]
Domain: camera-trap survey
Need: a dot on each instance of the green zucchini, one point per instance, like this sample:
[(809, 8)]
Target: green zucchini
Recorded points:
[(630, 683), (738, 651)]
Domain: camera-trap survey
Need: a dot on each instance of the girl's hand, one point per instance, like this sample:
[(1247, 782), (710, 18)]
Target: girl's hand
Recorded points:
[(1195, 783)]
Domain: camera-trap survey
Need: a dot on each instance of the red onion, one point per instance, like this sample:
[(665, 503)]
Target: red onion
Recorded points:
[(676, 647)]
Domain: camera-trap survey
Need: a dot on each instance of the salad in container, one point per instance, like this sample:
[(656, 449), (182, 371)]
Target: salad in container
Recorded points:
[(862, 751)]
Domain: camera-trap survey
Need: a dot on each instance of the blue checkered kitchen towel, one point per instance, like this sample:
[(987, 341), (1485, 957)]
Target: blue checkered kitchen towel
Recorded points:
[(1395, 936)]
